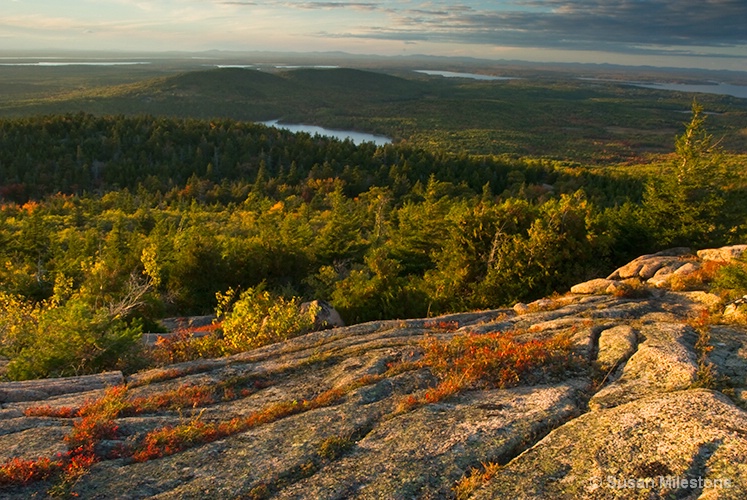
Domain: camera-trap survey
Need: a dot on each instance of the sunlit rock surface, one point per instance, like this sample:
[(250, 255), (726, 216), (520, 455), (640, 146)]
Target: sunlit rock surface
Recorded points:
[(642, 415)]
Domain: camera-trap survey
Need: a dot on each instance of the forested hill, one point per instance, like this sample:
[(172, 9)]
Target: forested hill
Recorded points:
[(242, 94), (562, 118)]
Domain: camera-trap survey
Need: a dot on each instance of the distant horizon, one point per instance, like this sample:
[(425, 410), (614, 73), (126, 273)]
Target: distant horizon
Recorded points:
[(688, 34), (220, 55)]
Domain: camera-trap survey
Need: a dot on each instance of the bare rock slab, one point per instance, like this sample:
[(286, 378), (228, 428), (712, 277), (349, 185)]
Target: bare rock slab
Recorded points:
[(35, 390), (616, 345), (30, 439), (723, 254), (592, 287), (646, 266), (423, 453), (636, 451), (664, 362)]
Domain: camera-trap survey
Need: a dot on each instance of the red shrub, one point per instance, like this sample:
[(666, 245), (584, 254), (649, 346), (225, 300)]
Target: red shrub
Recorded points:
[(48, 411), (492, 360), (20, 471)]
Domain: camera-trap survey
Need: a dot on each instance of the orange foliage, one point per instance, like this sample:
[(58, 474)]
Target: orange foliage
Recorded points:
[(20, 471), (698, 279), (48, 411), (183, 345), (492, 360), (97, 422)]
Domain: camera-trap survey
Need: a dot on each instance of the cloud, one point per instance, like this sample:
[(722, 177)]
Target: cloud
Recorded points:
[(626, 25), (307, 5), (338, 5)]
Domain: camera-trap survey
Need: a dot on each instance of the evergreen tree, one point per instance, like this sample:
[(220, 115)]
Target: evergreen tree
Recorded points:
[(684, 205)]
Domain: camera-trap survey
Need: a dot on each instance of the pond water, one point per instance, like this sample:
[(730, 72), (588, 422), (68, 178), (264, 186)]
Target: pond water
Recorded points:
[(705, 88), (473, 76), (356, 137), (709, 88)]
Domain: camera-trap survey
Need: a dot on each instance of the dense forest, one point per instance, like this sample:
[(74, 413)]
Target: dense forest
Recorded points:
[(109, 223)]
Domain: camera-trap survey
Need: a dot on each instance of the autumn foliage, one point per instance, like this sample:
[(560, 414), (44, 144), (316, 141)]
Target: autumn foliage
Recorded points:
[(491, 360)]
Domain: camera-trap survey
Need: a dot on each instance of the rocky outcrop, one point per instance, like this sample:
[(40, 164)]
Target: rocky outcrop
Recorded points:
[(187, 322), (599, 285), (723, 254), (36, 390), (325, 317), (663, 362), (643, 410), (659, 269), (683, 444)]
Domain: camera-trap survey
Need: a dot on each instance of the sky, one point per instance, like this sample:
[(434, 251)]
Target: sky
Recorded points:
[(708, 34)]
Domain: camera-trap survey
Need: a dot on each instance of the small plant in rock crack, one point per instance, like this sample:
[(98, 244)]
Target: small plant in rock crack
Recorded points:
[(97, 419), (476, 478), (95, 423), (173, 439), (49, 411), (334, 446), (706, 375)]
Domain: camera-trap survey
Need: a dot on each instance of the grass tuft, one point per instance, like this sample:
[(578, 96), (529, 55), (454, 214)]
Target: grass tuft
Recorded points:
[(476, 478)]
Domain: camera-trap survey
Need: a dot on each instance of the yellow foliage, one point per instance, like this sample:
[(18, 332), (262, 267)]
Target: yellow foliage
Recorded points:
[(259, 318)]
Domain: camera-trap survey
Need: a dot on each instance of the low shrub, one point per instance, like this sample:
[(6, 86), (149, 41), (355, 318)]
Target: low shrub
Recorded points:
[(632, 288), (53, 339), (183, 345), (699, 279), (495, 359), (489, 360), (258, 318), (445, 326), (17, 471), (731, 280), (334, 446)]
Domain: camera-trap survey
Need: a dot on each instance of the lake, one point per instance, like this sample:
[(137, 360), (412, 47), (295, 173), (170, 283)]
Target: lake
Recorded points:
[(712, 88), (356, 137), (705, 88), (473, 76)]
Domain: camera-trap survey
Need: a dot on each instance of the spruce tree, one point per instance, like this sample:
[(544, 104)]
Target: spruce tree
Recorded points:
[(684, 205)]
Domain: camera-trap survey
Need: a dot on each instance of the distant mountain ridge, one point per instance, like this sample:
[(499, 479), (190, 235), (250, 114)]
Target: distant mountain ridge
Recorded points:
[(240, 93)]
